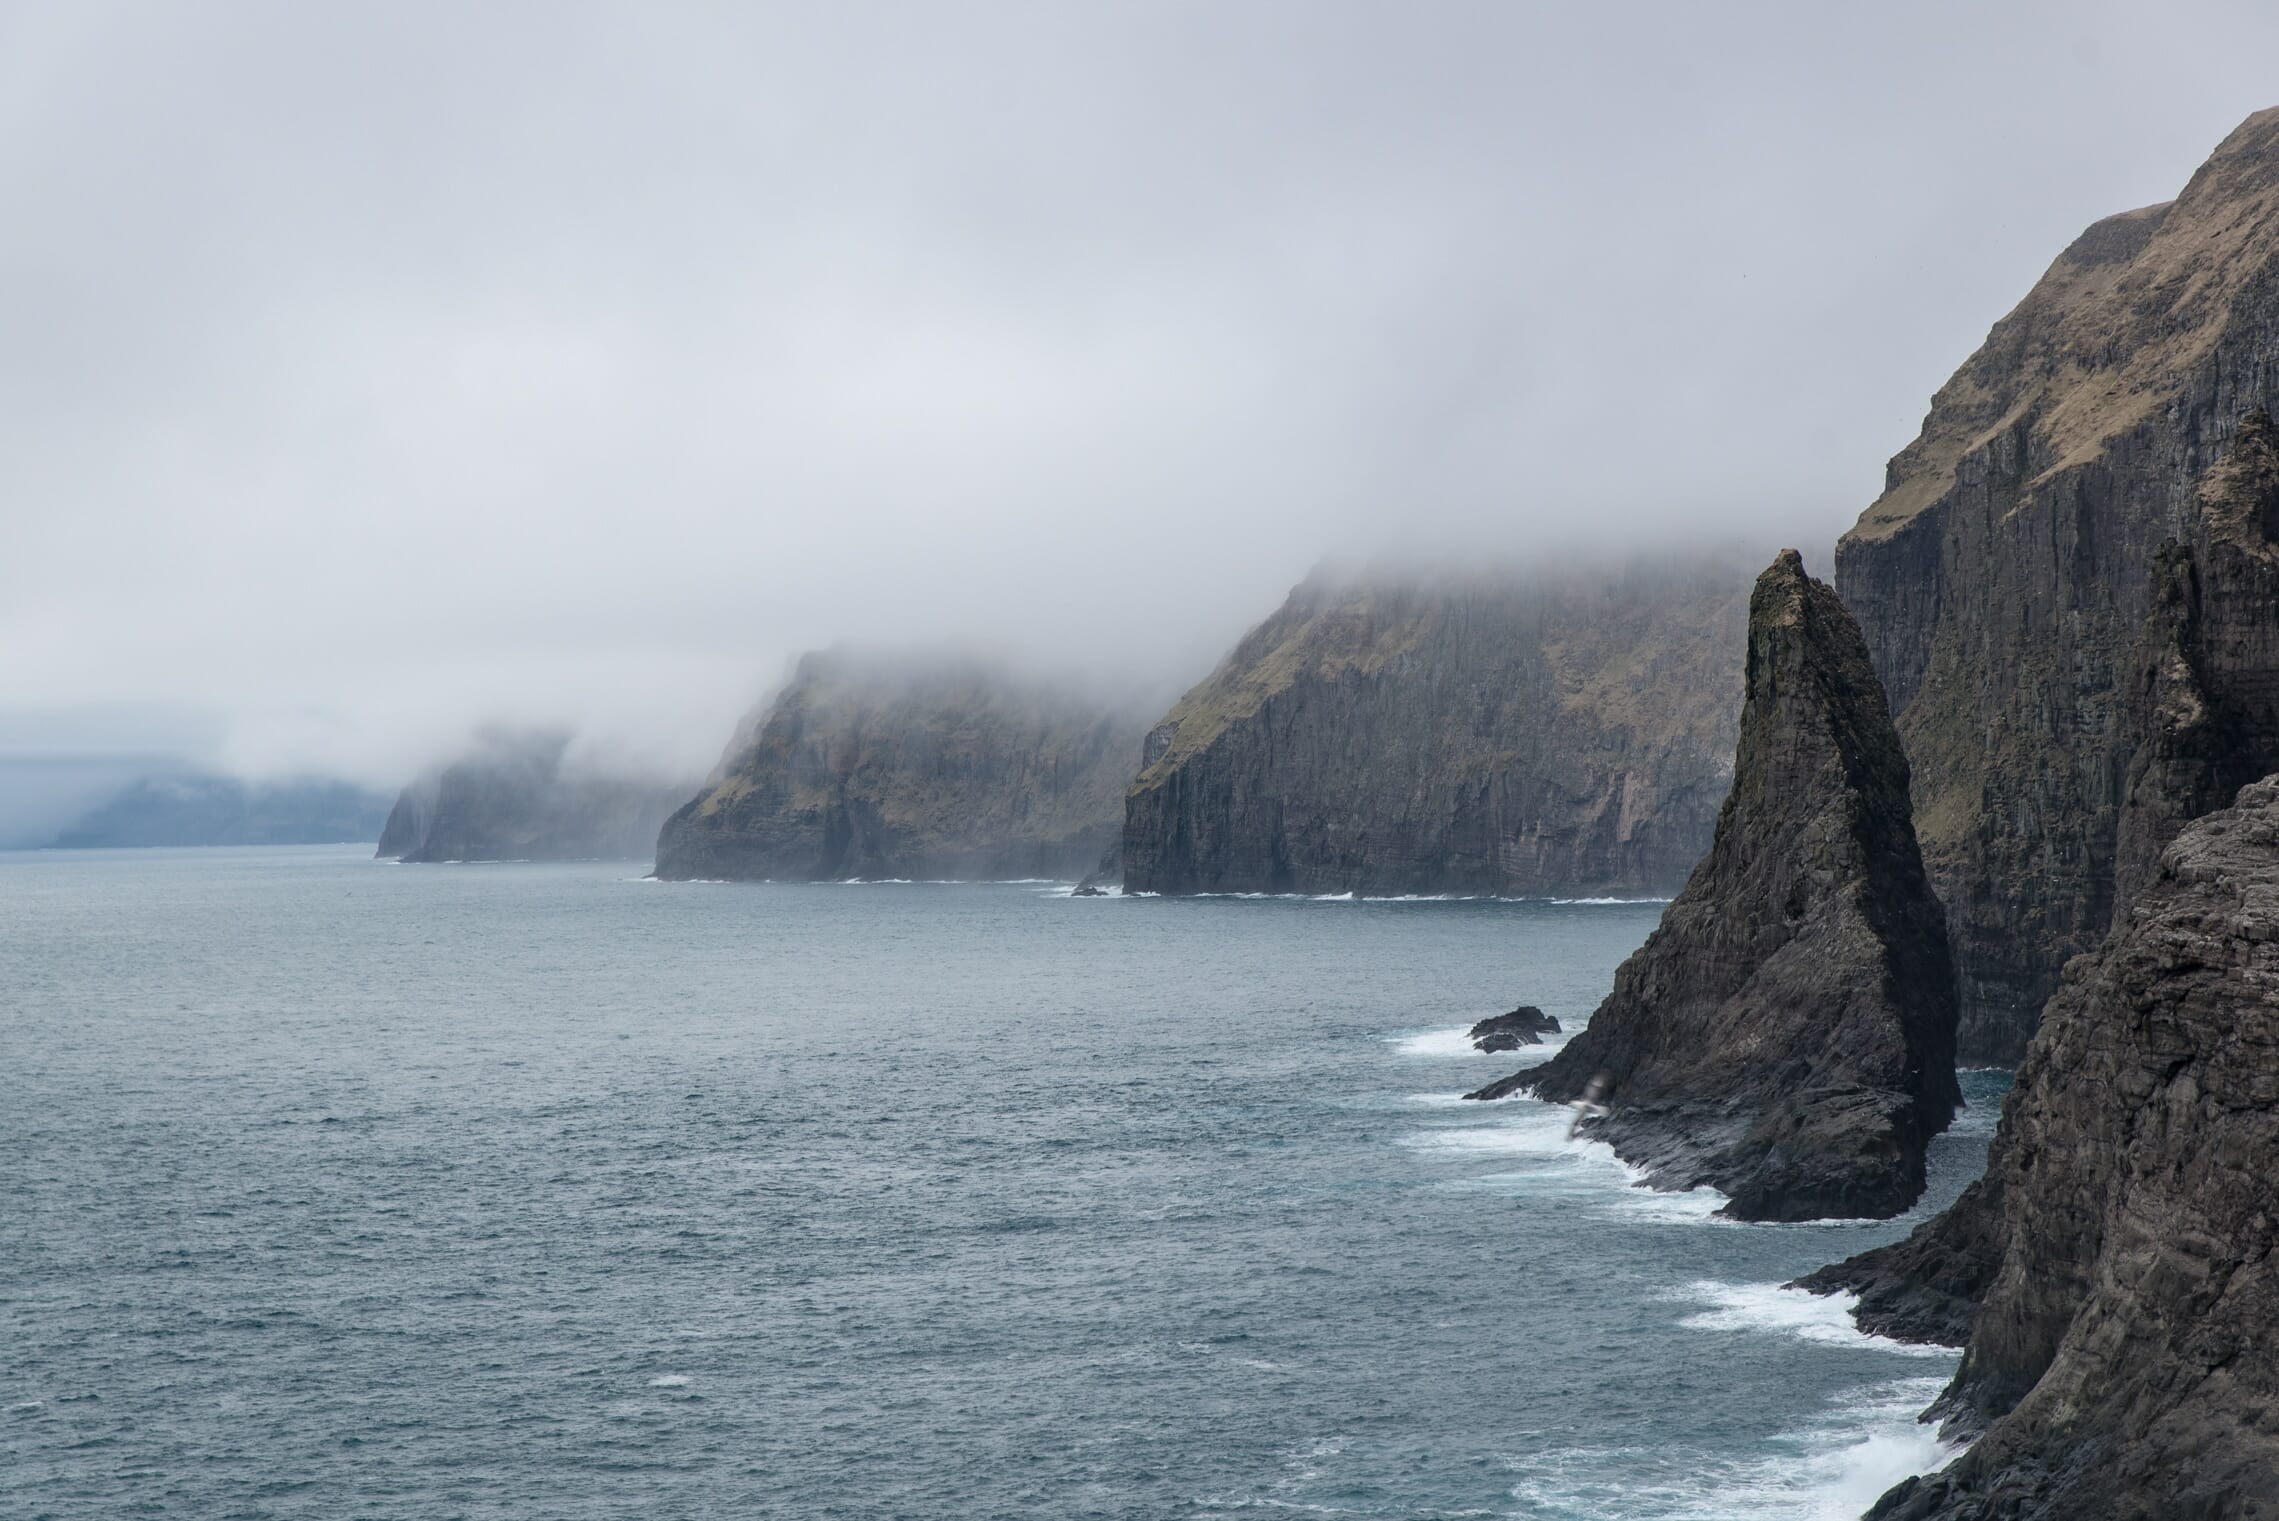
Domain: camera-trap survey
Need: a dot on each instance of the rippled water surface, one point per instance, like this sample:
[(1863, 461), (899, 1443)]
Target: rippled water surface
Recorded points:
[(330, 1188)]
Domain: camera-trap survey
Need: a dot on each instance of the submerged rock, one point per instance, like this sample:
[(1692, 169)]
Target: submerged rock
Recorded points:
[(935, 768), (2124, 1362), (1523, 1026), (1560, 732), (2001, 577), (1786, 1035)]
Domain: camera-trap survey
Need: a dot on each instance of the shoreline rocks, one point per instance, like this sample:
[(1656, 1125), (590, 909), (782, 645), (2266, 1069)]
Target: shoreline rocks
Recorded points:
[(1523, 1026)]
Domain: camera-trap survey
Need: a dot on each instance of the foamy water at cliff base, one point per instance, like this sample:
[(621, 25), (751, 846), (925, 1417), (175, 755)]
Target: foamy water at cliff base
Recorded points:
[(341, 1189)]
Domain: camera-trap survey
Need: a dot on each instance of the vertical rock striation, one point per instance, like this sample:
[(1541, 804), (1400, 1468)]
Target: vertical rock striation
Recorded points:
[(2124, 1358), (1519, 735), (2001, 577), (1786, 1034), (869, 767)]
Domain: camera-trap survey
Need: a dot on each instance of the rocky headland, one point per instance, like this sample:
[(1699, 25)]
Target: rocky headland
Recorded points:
[(2002, 579), (1786, 1035), (1564, 732), (517, 796), (2120, 1250), (881, 768)]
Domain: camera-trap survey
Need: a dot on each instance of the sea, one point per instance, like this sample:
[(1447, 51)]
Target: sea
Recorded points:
[(336, 1188)]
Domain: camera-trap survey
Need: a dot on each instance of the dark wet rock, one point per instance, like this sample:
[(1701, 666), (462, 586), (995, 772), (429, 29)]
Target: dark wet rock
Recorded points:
[(2123, 1362), (1523, 1026), (887, 768), (1088, 890), (1786, 1035), (1926, 1287), (2001, 579), (519, 796), (1540, 734)]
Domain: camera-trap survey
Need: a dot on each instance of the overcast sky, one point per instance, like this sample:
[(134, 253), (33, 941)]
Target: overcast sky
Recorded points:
[(367, 372)]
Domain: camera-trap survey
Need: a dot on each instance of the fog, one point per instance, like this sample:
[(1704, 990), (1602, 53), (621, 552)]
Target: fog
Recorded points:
[(371, 373)]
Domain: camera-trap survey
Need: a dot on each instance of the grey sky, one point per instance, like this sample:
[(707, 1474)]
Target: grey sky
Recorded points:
[(367, 372)]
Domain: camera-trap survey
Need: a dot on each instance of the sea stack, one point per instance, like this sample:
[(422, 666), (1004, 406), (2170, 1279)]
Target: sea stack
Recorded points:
[(2123, 1361), (876, 766), (1786, 1035)]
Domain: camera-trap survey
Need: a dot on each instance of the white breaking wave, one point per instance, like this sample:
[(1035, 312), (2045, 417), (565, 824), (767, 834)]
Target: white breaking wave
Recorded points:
[(669, 1381), (1579, 1170), (1831, 1469), (1599, 902), (1768, 1307), (1456, 1040)]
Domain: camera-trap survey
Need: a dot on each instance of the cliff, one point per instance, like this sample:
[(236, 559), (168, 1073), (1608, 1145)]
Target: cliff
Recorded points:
[(512, 798), (1522, 735), (1786, 1034), (2123, 1358), (932, 769), (2001, 577)]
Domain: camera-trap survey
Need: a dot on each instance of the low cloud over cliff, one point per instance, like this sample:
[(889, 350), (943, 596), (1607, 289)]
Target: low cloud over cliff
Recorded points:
[(370, 376)]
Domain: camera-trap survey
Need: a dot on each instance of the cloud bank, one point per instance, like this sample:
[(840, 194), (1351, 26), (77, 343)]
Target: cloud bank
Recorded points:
[(370, 373)]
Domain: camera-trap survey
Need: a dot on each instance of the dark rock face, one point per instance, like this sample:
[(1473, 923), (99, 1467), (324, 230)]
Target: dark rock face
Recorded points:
[(2001, 578), (1521, 736), (1523, 1026), (1927, 1287), (513, 799), (1786, 1034), (942, 769), (2124, 1356)]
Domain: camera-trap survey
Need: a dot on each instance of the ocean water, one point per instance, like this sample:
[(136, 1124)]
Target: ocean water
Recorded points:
[(332, 1188)]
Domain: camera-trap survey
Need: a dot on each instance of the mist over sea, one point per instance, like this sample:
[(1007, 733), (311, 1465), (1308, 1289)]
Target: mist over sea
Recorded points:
[(332, 1188)]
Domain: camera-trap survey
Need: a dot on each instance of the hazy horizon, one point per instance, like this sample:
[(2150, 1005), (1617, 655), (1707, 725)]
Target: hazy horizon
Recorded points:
[(374, 377)]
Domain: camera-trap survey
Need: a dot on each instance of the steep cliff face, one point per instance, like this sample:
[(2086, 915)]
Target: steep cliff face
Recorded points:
[(2124, 1352), (940, 769), (1787, 1033), (1524, 735), (513, 799), (2001, 577)]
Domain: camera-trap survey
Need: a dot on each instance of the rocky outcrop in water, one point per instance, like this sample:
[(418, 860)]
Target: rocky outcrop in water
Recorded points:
[(1523, 1026), (1551, 733), (1786, 1035), (2001, 577), (516, 796), (881, 768), (2123, 1360)]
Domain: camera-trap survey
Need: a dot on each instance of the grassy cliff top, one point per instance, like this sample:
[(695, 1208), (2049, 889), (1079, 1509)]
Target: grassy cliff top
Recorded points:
[(2114, 330)]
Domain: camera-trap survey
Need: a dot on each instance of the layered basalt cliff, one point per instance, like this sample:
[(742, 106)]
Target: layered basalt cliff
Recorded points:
[(1542, 734), (2001, 577), (932, 769), (2123, 1358), (516, 797), (1786, 1035)]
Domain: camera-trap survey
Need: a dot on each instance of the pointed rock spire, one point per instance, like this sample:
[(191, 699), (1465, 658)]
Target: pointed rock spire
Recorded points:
[(1787, 1034)]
